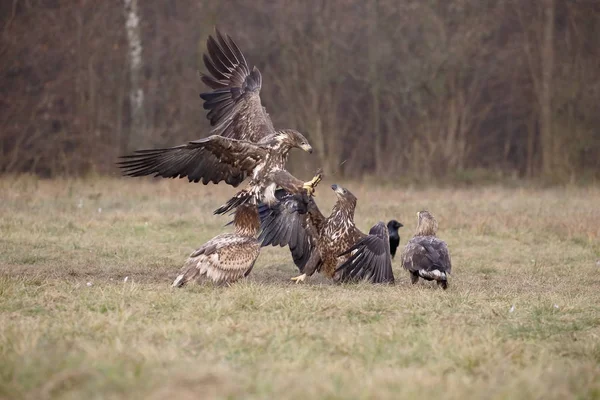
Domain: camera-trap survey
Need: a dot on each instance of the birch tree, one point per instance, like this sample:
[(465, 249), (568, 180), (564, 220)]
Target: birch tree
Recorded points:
[(136, 92)]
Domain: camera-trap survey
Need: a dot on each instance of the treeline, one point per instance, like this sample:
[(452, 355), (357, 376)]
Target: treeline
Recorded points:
[(389, 88)]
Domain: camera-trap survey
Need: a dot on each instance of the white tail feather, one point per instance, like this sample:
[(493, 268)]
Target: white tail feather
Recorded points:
[(435, 275), (178, 280)]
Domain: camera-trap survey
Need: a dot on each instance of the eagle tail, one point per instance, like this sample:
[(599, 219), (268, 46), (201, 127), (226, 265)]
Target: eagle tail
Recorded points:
[(435, 275), (242, 197), (189, 274)]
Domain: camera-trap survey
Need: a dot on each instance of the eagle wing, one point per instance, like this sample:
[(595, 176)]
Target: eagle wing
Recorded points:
[(234, 106), (235, 112), (424, 255), (223, 259), (370, 258), (286, 223), (212, 159)]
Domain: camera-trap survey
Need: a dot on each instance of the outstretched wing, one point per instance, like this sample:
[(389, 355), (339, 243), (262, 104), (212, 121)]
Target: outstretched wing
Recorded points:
[(212, 159), (371, 259), (234, 106), (285, 223)]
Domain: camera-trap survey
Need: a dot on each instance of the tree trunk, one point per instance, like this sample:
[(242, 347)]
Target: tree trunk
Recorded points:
[(136, 136), (373, 78), (547, 62)]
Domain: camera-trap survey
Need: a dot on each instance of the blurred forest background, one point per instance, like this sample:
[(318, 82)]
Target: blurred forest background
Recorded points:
[(387, 88)]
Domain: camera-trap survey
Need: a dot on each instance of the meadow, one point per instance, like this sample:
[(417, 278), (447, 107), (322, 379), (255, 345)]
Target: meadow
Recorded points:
[(87, 311)]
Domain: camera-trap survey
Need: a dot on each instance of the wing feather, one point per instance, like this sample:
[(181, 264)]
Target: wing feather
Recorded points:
[(212, 159), (223, 259), (235, 108), (284, 223), (370, 258)]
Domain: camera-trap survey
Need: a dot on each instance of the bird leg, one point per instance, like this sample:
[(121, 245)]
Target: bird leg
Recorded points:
[(312, 184), (299, 278), (414, 277)]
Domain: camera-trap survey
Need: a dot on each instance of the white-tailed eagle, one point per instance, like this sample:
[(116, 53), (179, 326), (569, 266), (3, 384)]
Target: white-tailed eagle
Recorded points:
[(425, 256), (243, 142), (320, 243), (228, 256)]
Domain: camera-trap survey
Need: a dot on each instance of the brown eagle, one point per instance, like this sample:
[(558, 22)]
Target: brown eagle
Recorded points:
[(320, 243), (226, 257), (243, 141), (425, 256)]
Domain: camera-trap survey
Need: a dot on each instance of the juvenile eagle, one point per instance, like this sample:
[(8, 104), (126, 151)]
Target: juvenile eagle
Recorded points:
[(318, 243), (393, 227), (425, 256), (243, 141), (226, 257)]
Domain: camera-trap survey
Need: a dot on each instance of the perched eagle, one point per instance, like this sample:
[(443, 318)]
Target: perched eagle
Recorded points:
[(425, 256), (229, 256), (319, 243), (393, 227), (243, 141)]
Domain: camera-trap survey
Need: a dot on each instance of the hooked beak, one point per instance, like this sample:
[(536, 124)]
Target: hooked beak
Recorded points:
[(336, 189), (307, 147), (400, 225)]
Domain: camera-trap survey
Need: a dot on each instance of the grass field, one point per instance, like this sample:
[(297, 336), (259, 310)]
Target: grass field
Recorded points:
[(520, 320)]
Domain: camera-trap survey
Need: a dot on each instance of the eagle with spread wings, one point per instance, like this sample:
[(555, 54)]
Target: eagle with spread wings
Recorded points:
[(326, 244), (229, 256), (426, 256), (243, 142)]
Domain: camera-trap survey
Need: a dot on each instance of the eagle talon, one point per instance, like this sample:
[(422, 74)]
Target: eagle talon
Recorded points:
[(310, 185), (310, 190), (299, 278)]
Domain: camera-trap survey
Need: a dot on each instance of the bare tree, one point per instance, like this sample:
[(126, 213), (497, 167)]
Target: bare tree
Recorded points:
[(136, 91)]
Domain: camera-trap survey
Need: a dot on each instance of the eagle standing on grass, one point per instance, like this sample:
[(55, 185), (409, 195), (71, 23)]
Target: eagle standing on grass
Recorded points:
[(425, 256), (319, 243), (243, 143), (226, 257)]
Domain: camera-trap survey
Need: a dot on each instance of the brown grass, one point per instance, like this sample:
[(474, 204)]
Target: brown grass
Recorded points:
[(265, 337)]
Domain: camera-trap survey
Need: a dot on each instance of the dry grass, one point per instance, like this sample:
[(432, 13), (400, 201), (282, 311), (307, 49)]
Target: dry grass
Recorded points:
[(267, 338)]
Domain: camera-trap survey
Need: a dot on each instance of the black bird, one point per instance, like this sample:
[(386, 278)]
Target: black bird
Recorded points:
[(393, 226)]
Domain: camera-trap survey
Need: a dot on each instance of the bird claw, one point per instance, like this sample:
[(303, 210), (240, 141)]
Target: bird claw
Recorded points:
[(299, 278), (309, 188), (312, 184)]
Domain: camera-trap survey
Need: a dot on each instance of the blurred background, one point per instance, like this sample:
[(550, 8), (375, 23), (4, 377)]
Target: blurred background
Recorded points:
[(467, 90)]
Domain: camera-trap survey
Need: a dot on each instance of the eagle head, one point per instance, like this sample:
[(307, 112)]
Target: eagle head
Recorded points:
[(426, 224), (343, 194), (289, 139)]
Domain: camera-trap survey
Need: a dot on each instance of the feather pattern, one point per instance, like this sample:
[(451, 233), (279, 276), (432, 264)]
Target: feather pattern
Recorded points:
[(370, 258), (227, 257), (425, 256), (322, 239), (243, 141)]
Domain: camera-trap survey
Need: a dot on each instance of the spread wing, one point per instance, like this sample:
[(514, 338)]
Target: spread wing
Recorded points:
[(225, 258), (234, 106), (212, 159), (370, 259), (426, 253), (285, 223), (235, 112)]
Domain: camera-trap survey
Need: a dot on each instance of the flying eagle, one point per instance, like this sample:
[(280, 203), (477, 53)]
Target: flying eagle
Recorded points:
[(319, 243), (226, 257), (243, 141), (425, 256), (393, 227)]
